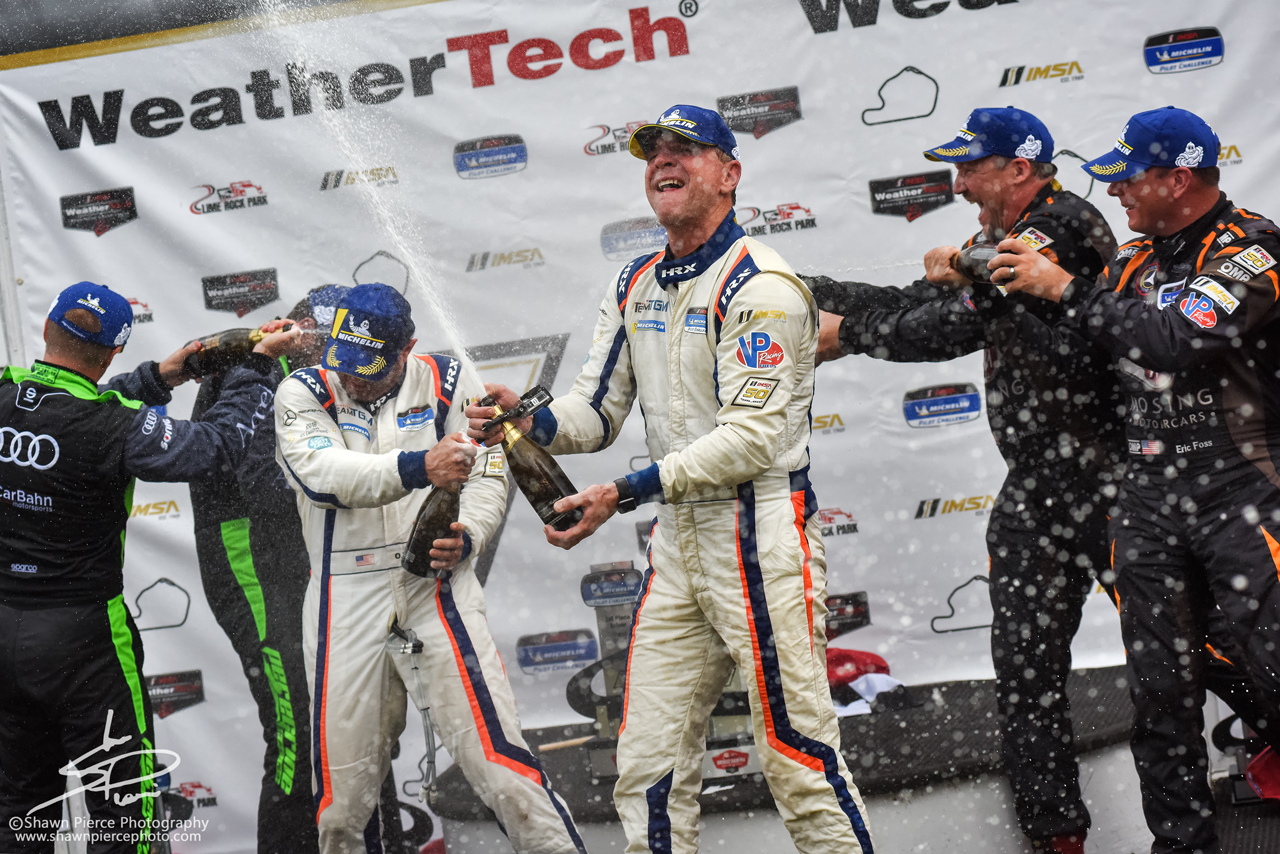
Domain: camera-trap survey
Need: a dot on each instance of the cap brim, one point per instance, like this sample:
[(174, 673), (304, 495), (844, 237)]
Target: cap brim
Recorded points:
[(633, 145), (956, 151), (357, 361), (1112, 167)]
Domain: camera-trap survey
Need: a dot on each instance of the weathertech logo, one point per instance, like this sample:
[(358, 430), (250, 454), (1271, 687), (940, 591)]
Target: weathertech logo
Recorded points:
[(379, 176), (929, 507), (1064, 71)]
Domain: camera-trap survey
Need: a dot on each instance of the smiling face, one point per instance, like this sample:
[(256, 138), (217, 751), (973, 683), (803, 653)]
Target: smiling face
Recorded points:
[(1150, 200), (687, 183), (985, 183)]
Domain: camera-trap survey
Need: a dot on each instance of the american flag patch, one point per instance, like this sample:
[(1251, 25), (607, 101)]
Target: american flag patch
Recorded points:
[(364, 560), (1146, 448)]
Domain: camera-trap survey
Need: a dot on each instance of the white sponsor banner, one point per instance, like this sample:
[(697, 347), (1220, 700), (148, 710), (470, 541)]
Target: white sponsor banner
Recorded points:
[(215, 181)]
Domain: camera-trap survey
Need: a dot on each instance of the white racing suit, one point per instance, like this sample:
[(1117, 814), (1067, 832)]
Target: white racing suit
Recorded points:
[(719, 349), (360, 478)]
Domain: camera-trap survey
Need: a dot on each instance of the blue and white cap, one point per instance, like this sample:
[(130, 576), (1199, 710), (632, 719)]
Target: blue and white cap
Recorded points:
[(371, 324), (1006, 131), (112, 310), (697, 123), (1167, 137)]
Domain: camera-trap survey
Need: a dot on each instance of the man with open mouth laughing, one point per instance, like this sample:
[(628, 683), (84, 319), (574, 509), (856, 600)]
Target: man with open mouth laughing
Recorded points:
[(716, 338)]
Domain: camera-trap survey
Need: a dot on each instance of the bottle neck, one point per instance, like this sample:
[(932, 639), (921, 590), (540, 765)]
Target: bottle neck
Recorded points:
[(510, 432)]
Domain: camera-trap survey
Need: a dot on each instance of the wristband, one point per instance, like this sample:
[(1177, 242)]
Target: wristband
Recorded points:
[(626, 498)]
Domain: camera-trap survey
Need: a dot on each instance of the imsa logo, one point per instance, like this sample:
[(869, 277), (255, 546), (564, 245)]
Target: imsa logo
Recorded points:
[(1062, 71), (929, 507), (526, 258)]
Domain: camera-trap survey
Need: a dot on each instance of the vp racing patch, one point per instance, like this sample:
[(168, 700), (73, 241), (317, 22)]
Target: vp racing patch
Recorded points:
[(759, 351)]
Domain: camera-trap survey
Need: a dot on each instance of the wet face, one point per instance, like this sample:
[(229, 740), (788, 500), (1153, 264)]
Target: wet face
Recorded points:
[(985, 183), (1149, 200), (684, 180), (367, 391)]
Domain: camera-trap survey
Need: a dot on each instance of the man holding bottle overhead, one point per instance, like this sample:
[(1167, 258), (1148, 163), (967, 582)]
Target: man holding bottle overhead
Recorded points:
[(362, 439), (715, 337), (1053, 413)]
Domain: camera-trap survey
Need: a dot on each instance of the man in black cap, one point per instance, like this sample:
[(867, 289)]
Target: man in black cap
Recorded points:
[(1191, 314), (72, 691), (1052, 412)]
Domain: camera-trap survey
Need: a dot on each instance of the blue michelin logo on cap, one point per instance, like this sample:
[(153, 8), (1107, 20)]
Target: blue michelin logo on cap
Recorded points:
[(1184, 50), (490, 156), (942, 404)]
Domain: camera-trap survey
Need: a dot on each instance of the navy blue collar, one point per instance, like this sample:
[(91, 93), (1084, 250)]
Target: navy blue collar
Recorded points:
[(671, 271)]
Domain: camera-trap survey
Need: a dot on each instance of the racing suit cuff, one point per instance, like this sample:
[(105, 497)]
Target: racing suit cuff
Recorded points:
[(545, 427), (157, 390), (1077, 293), (646, 485), (413, 469), (852, 334), (466, 546), (989, 302)]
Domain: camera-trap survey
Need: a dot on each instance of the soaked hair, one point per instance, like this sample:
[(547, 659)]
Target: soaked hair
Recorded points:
[(726, 158), (1041, 171), (60, 342)]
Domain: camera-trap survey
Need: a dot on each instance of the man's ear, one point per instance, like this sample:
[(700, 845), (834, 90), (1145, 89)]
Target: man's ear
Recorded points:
[(1182, 181), (733, 175), (407, 349)]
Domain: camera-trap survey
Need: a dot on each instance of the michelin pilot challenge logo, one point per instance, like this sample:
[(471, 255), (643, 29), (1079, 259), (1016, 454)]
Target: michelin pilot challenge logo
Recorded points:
[(490, 156), (942, 404), (1184, 50)]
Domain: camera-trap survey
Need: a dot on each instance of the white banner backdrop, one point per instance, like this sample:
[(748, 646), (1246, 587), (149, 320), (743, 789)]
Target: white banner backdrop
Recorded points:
[(484, 145)]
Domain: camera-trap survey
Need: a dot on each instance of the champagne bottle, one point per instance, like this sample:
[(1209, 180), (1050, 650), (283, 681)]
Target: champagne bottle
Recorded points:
[(537, 474), (438, 512), (971, 262), (223, 350)]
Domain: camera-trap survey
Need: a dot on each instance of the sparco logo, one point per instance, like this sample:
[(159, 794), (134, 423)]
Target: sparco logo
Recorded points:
[(236, 196), (306, 90), (610, 140), (28, 449), (99, 211), (911, 196), (378, 176), (240, 292), (761, 112), (824, 15)]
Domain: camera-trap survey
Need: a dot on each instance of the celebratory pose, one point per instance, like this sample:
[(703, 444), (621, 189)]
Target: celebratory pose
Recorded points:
[(361, 439), (715, 337), (1191, 313), (71, 683), (1053, 414), (255, 571)]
